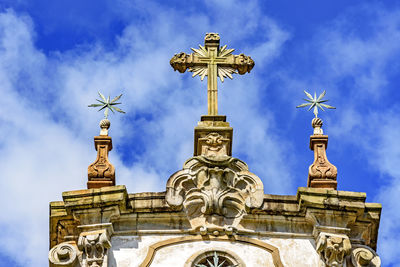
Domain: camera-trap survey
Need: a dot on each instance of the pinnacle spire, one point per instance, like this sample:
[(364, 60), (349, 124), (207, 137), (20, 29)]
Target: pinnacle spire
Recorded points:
[(101, 172), (322, 173)]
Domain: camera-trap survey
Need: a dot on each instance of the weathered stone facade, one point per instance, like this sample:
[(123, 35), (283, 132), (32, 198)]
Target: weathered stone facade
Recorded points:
[(213, 205), (138, 229), (214, 212)]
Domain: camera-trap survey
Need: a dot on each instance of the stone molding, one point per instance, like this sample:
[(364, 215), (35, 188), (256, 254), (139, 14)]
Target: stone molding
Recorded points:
[(313, 210), (334, 216), (230, 255), (196, 238), (214, 193), (65, 254), (101, 172)]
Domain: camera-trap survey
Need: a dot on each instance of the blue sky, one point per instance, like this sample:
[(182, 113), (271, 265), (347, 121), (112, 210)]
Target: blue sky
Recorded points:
[(56, 55)]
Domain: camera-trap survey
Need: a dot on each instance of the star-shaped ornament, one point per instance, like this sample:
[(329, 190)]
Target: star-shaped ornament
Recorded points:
[(315, 102), (106, 104)]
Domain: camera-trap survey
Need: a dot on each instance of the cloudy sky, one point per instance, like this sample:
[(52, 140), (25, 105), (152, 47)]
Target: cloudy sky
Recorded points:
[(56, 55)]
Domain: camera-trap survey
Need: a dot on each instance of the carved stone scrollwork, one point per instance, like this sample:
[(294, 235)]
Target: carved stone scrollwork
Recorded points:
[(364, 256), (101, 172), (179, 62), (212, 37), (333, 249), (94, 246), (64, 254), (215, 192), (322, 173), (244, 63)]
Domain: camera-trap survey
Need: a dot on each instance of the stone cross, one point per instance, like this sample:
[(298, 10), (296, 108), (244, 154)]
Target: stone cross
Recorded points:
[(212, 61)]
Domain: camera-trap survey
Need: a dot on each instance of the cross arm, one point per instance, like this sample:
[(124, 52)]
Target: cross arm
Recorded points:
[(182, 61), (241, 63), (238, 63)]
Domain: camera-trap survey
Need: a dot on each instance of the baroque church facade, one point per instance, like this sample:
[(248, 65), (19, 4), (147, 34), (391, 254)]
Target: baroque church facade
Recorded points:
[(214, 211)]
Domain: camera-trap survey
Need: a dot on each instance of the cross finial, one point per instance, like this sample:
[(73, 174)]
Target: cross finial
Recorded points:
[(107, 105), (212, 61)]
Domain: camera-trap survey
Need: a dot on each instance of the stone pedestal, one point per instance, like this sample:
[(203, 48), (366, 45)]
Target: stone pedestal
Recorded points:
[(213, 129), (101, 172), (321, 174)]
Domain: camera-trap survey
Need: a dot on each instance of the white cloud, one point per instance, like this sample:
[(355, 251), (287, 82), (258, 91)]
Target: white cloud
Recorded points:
[(383, 148), (362, 120), (47, 128)]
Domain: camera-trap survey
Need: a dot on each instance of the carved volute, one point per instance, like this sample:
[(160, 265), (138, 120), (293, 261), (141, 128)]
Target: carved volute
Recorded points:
[(215, 190)]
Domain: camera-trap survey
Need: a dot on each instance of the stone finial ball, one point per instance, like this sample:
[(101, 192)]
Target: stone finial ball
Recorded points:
[(316, 122), (105, 124)]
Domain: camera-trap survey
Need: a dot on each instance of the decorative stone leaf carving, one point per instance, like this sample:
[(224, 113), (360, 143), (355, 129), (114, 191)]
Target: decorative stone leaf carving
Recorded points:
[(215, 192), (364, 256), (94, 246), (333, 249), (64, 254)]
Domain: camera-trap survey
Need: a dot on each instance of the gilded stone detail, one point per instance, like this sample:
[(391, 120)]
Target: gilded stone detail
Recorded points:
[(214, 193), (94, 246), (333, 249)]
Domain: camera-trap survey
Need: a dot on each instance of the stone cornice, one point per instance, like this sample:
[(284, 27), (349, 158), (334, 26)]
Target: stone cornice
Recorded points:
[(300, 215)]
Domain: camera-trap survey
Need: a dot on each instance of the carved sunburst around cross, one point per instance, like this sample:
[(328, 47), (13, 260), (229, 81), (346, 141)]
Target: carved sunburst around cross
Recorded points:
[(216, 262), (106, 104), (223, 71), (315, 102)]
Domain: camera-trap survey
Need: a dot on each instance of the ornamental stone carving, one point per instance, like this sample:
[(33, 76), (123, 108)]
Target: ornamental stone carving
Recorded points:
[(64, 254), (101, 172), (214, 145), (364, 256), (179, 62), (211, 37), (322, 173), (215, 192), (244, 63), (333, 249), (94, 246)]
